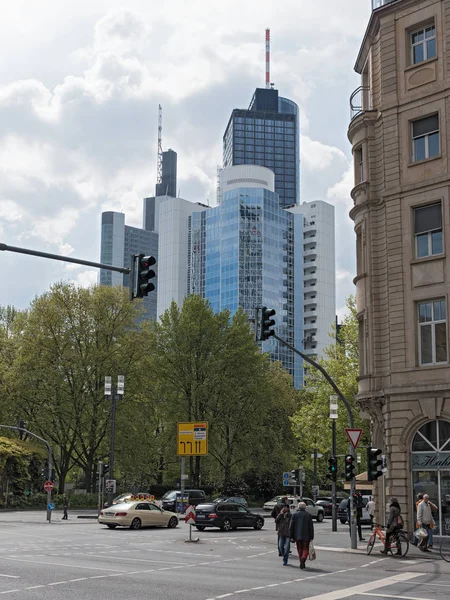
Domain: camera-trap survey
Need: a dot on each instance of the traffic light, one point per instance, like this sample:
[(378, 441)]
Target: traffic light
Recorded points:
[(105, 470), (294, 474), (144, 274), (332, 467), (47, 475), (349, 467), (373, 462), (267, 322)]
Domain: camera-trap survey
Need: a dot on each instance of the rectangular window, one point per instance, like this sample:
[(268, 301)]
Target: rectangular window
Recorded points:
[(359, 165), (428, 230), (425, 138), (423, 44), (432, 332)]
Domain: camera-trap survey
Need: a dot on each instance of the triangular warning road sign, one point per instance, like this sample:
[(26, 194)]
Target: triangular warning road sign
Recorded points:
[(354, 435)]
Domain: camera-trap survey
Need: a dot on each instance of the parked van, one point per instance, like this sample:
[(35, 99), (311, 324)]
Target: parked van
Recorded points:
[(172, 499)]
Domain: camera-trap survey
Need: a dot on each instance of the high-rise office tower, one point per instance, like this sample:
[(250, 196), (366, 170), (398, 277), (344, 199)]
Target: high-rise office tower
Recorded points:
[(267, 134), (118, 243), (168, 185), (242, 253)]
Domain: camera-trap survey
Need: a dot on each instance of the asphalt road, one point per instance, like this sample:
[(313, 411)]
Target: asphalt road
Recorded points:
[(79, 559)]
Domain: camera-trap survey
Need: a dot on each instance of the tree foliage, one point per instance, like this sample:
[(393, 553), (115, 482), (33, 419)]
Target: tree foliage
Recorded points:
[(312, 425)]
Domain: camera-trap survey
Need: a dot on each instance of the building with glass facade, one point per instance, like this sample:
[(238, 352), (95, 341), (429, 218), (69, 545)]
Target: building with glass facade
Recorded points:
[(267, 134), (242, 253), (119, 242)]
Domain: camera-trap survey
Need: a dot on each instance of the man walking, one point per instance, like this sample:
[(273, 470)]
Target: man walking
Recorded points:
[(425, 520), (65, 507), (302, 532), (282, 522), (275, 512)]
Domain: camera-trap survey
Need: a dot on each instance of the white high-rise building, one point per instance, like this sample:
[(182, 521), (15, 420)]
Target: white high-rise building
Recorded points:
[(319, 275), (170, 217)]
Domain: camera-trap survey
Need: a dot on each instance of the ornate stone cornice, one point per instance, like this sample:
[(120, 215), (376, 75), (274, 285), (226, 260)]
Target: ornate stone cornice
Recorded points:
[(374, 407)]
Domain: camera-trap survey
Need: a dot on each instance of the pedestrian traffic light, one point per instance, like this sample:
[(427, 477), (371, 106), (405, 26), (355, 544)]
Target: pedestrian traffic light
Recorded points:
[(332, 467), (373, 462), (267, 323), (144, 274), (349, 467)]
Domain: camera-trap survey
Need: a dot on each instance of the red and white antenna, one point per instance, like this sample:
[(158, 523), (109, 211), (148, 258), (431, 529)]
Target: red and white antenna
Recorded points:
[(267, 58), (160, 150)]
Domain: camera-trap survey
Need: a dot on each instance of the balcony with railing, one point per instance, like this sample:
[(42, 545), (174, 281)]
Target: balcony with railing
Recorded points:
[(360, 101)]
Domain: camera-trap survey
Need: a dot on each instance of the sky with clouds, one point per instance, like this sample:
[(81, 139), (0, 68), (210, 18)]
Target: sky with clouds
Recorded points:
[(80, 85)]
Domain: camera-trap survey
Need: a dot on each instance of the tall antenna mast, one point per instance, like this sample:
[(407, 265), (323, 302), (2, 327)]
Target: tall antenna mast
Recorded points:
[(160, 152), (267, 58)]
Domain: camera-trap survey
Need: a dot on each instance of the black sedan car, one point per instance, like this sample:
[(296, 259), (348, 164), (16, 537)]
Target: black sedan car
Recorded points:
[(328, 504), (225, 516)]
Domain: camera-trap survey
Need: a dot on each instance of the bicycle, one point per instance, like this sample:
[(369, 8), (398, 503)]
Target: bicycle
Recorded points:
[(400, 540)]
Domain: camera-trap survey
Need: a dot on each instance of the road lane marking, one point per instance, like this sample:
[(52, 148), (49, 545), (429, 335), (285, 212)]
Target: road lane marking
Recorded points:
[(365, 587), (394, 596), (11, 576), (128, 558), (51, 564), (9, 591)]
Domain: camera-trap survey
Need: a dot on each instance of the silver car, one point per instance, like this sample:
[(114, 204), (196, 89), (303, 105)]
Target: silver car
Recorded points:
[(315, 510)]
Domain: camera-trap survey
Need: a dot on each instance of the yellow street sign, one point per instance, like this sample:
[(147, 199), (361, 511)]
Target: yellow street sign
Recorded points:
[(192, 439)]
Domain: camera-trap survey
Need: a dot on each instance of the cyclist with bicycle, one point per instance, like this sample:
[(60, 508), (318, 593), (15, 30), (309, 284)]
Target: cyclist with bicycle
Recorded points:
[(393, 526)]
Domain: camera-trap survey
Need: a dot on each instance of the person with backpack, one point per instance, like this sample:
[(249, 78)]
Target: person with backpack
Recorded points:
[(393, 526), (274, 514)]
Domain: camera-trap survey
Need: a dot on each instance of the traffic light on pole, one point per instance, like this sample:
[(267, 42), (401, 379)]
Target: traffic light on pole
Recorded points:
[(332, 467), (144, 274), (373, 462), (349, 467), (267, 323)]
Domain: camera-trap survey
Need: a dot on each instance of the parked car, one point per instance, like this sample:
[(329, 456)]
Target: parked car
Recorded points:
[(315, 510), (136, 515), (328, 504), (343, 511), (270, 504), (235, 499), (169, 499), (226, 516)]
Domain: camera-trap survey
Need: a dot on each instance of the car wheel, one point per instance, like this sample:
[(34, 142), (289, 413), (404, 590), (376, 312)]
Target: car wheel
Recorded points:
[(343, 521), (135, 524), (226, 525), (173, 522), (258, 524), (319, 517), (110, 526), (200, 527)]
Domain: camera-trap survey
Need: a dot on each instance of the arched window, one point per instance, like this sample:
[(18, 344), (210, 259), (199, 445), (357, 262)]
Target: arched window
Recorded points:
[(434, 436)]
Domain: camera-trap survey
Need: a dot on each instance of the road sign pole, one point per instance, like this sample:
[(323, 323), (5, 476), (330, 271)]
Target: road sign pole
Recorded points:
[(49, 492), (353, 537), (333, 481), (183, 467)]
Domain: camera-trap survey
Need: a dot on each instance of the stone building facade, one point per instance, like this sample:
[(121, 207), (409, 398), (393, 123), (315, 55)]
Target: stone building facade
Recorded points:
[(400, 133)]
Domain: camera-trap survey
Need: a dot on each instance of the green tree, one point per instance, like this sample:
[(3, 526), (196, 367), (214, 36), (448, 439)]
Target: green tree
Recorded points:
[(311, 423), (72, 338)]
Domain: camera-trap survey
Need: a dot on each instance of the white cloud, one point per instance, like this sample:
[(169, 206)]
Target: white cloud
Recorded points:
[(316, 156), (86, 278)]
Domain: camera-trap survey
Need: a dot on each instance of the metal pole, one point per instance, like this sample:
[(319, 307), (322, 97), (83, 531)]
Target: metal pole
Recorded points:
[(49, 493), (76, 261), (100, 477), (353, 538), (112, 439), (333, 481), (183, 466), (315, 475)]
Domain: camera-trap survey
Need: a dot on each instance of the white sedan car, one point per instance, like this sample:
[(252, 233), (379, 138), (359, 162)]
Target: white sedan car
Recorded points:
[(136, 515)]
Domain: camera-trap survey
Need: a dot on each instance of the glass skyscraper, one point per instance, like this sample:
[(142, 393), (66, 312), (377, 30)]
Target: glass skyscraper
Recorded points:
[(267, 134), (241, 254)]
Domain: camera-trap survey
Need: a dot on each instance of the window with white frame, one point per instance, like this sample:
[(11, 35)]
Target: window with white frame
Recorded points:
[(425, 138), (432, 332), (428, 230), (423, 44)]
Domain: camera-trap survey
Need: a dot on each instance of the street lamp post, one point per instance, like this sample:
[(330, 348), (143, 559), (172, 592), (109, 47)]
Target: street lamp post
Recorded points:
[(333, 417), (114, 394)]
